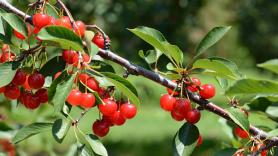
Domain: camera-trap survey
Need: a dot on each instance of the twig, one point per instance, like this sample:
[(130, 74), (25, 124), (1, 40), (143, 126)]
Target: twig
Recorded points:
[(67, 12), (137, 70)]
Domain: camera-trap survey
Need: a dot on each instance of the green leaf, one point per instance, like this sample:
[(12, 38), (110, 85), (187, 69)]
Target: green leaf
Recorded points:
[(59, 91), (219, 67), (253, 87), (30, 130), (15, 22), (271, 65), (4, 127), (239, 117), (51, 11), (210, 39), (223, 83), (158, 41), (2, 31), (226, 152), (101, 66), (261, 120), (272, 110), (185, 140), (96, 145), (66, 38), (60, 129), (149, 56), (53, 66), (92, 48), (124, 86), (272, 133), (7, 71)]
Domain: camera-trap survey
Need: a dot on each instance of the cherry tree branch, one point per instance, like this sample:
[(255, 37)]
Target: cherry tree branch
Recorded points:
[(138, 70)]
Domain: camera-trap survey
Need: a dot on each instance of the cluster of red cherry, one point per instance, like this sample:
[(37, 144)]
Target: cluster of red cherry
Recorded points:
[(41, 20), (181, 108), (35, 81)]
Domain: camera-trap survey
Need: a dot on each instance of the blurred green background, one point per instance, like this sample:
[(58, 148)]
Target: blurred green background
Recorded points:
[(253, 39)]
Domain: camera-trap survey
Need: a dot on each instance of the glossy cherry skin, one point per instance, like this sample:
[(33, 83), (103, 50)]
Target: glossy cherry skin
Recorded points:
[(36, 80), (68, 56), (167, 102), (12, 92), (7, 57), (32, 102), (83, 78), (200, 140), (26, 84), (88, 100), (241, 133), (182, 106), (193, 116), (117, 118), (41, 20), (99, 40), (19, 78), (75, 97), (93, 84), (42, 94), (108, 107), (79, 28), (100, 128), (195, 83), (19, 35), (207, 91), (264, 153), (128, 110), (2, 89), (177, 116), (64, 22), (86, 58)]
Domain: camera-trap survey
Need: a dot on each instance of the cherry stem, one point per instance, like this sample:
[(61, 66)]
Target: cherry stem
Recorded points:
[(67, 12), (138, 70)]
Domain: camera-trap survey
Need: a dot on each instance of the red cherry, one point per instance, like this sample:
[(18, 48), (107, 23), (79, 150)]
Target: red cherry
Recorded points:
[(207, 91), (200, 140), (42, 94), (99, 40), (64, 22), (193, 116), (5, 48), (83, 78), (182, 106), (41, 20), (57, 75), (36, 80), (176, 116), (19, 35), (7, 57), (36, 30), (241, 133), (26, 84), (117, 118), (93, 84), (128, 110), (75, 97), (170, 91), (19, 78), (31, 101), (107, 120), (239, 154), (108, 107), (195, 83), (79, 28), (12, 92), (264, 153), (167, 102), (2, 89), (68, 56), (100, 128), (88, 100), (52, 20), (86, 58)]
